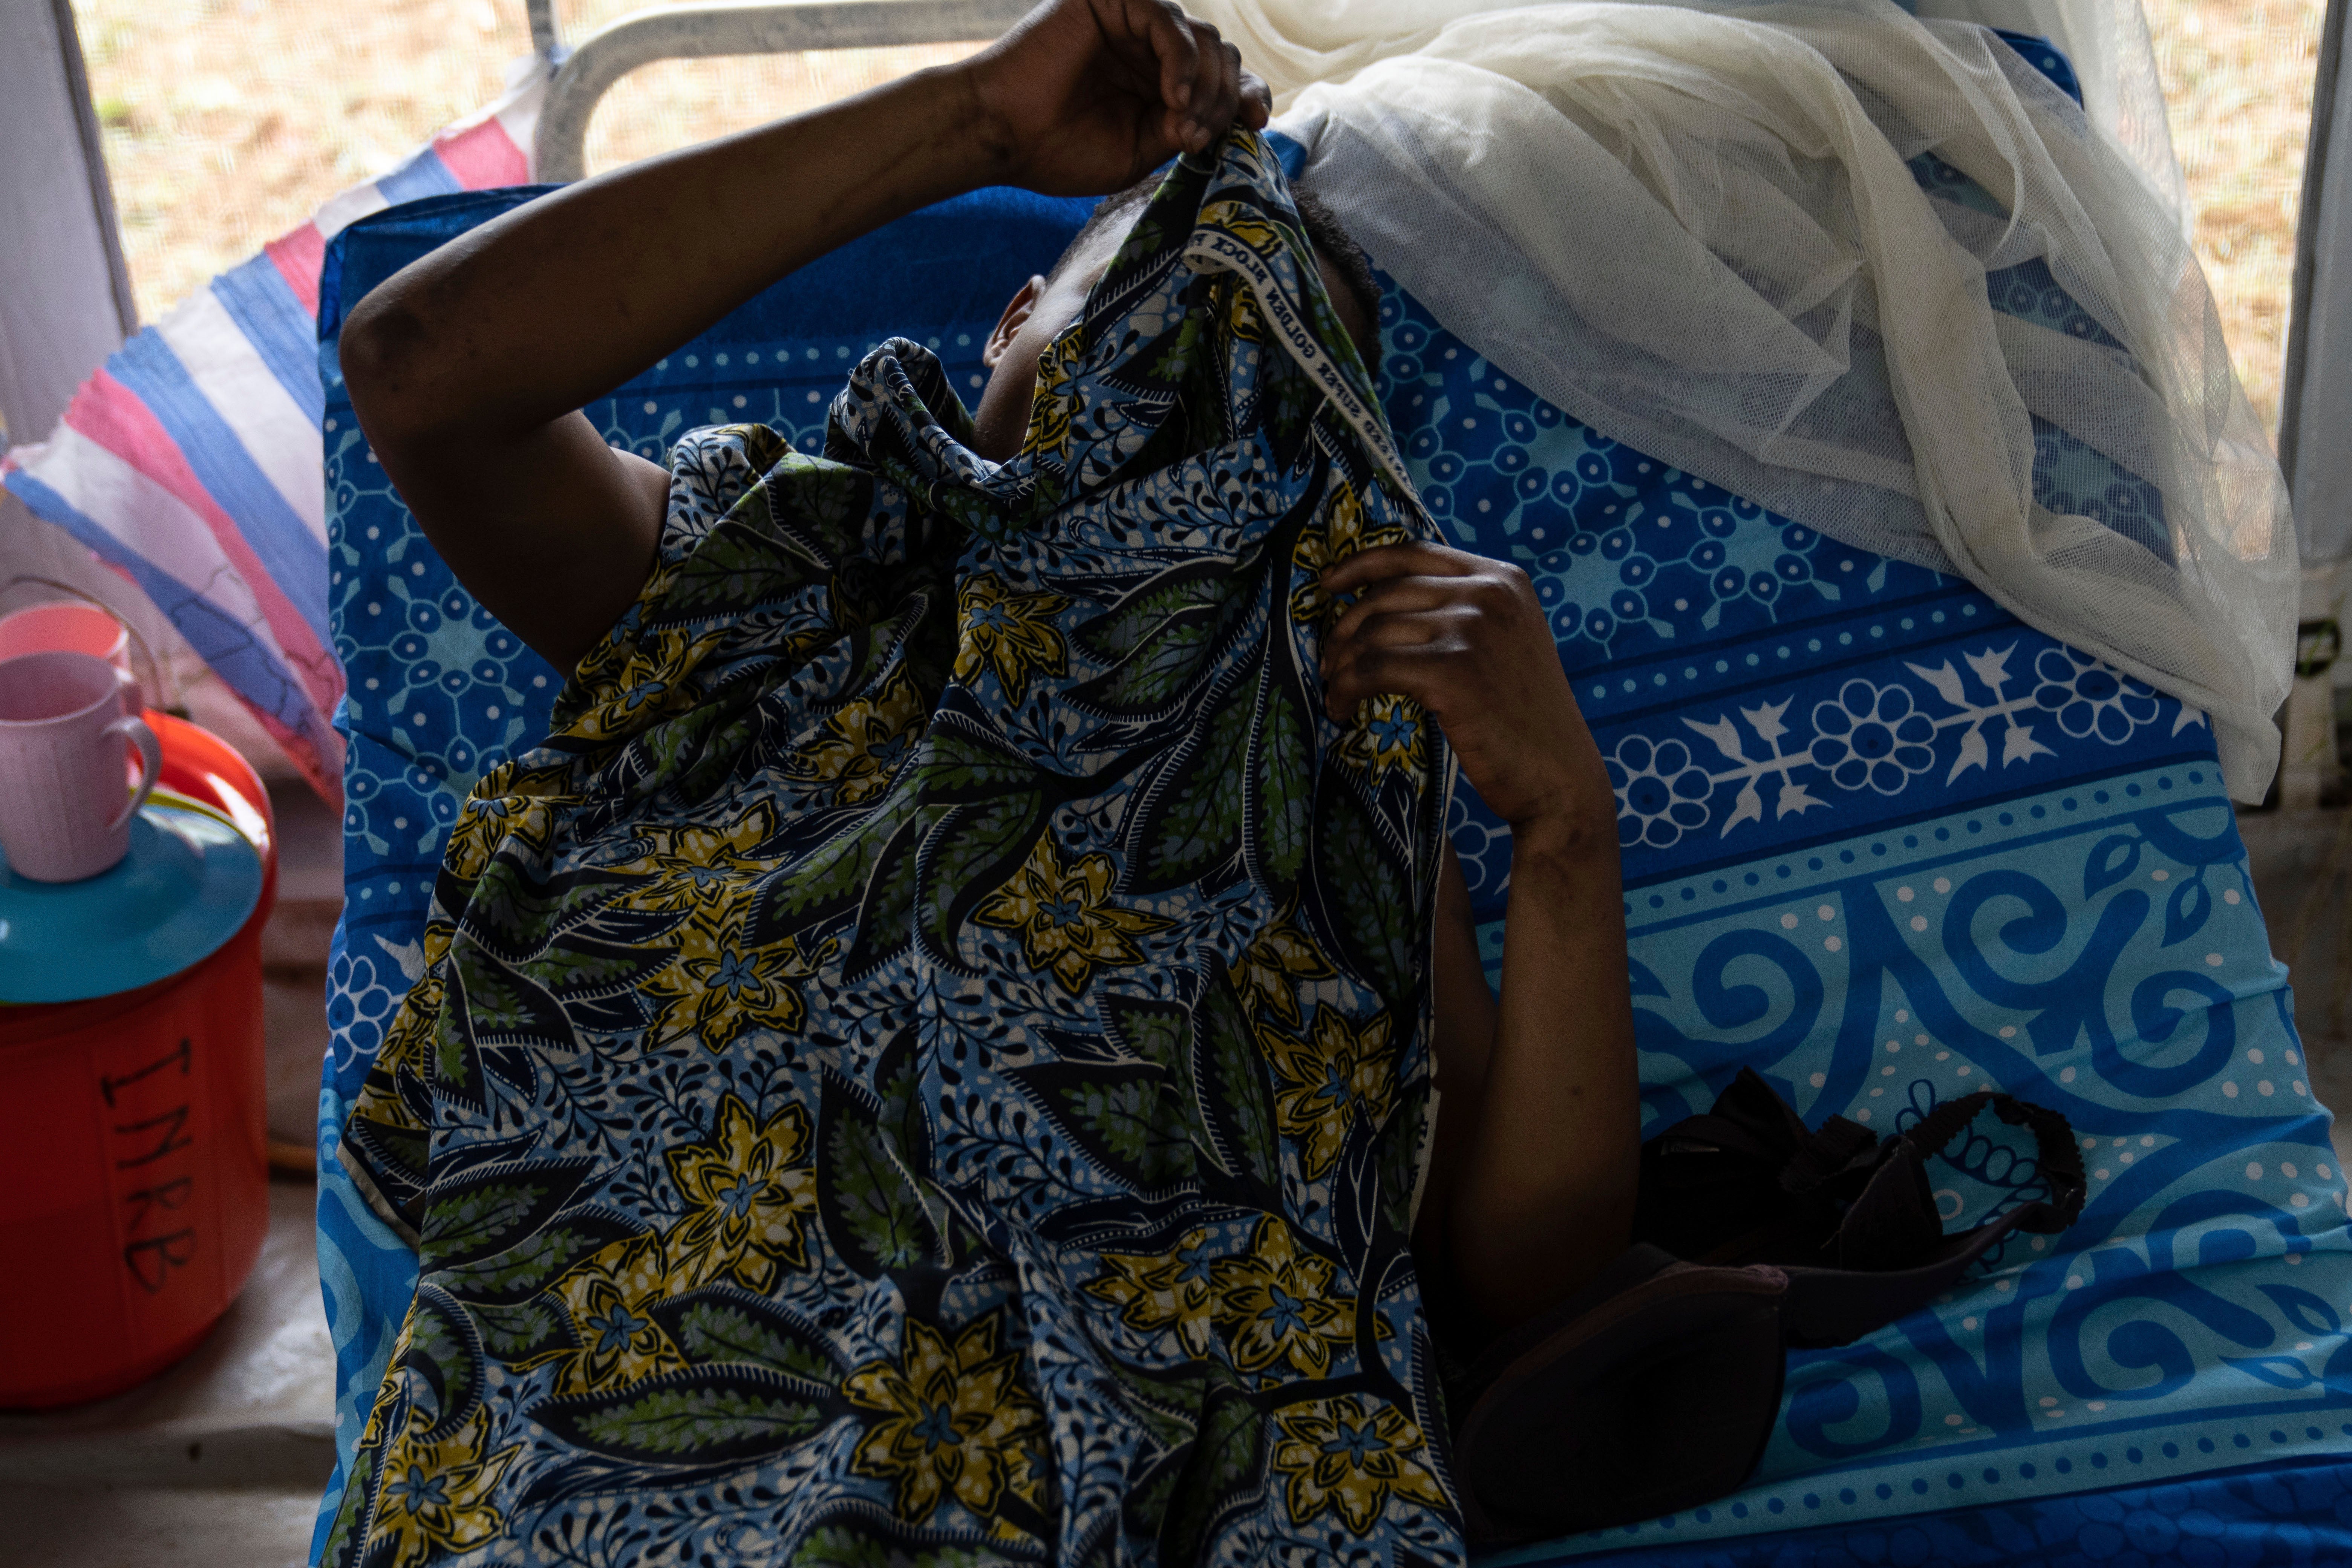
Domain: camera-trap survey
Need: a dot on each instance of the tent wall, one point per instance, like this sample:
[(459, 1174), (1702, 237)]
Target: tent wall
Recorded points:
[(2315, 423), (65, 297)]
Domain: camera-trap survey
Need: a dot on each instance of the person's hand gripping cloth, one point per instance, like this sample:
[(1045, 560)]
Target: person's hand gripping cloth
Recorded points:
[(930, 1055)]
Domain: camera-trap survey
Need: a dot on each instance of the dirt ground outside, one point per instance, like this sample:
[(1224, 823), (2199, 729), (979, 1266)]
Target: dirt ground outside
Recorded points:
[(228, 121)]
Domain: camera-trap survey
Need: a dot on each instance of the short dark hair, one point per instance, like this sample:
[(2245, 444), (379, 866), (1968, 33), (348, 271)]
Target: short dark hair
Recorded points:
[(1330, 238), (1107, 211)]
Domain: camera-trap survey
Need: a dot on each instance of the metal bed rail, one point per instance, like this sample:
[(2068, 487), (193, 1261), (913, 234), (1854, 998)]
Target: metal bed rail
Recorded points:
[(583, 73)]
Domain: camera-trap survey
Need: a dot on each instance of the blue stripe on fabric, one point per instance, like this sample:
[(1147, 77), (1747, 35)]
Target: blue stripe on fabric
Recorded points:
[(294, 558), (422, 175), (218, 637), (265, 310)]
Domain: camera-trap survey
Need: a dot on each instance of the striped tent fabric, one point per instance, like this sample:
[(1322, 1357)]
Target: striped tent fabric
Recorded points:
[(192, 462)]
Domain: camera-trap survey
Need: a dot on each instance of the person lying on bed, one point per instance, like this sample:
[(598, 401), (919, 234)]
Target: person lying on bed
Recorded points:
[(935, 1045)]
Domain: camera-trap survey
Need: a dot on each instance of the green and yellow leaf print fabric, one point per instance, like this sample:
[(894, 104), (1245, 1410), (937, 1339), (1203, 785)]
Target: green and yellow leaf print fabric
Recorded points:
[(927, 1063)]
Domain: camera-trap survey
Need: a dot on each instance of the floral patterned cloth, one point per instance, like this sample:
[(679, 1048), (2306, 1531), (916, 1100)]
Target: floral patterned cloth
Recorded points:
[(928, 1061)]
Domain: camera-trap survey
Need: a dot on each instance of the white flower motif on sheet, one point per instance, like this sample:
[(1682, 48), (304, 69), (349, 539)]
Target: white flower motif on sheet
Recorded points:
[(1661, 792), (1875, 736), (1991, 668), (2085, 697), (1765, 720)]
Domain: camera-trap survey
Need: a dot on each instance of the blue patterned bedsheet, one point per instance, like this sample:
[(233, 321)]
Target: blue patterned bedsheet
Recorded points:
[(1882, 842), (1887, 844)]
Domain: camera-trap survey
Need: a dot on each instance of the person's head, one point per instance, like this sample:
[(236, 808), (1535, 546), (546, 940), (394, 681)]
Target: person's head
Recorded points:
[(1047, 303)]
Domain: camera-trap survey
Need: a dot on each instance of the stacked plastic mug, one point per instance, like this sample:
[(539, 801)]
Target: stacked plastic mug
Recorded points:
[(137, 868), (63, 726)]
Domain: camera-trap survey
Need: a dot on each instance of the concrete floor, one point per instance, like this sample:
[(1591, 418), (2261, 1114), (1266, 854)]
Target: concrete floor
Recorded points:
[(2331, 1085), (218, 1463), (2302, 864), (294, 958), (156, 1527)]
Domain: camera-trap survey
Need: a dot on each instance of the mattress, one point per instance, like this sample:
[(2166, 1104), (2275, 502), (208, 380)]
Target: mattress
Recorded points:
[(1882, 843)]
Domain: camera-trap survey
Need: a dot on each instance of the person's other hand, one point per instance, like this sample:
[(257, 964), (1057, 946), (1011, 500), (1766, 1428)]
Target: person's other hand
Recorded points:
[(1083, 97), (1463, 637)]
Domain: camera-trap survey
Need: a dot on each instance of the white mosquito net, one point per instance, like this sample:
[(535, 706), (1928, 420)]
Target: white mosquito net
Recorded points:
[(1693, 226)]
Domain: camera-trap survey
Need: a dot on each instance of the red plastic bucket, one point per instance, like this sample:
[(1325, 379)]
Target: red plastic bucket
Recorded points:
[(133, 1151)]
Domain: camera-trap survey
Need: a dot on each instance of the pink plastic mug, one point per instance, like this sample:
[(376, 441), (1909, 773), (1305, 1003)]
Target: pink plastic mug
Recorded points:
[(75, 628), (62, 731)]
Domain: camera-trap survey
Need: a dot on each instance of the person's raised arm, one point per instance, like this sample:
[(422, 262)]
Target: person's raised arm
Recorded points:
[(1538, 1149), (467, 368)]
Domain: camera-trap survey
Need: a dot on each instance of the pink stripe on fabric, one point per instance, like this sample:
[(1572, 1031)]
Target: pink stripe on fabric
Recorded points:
[(141, 518), (484, 155), (298, 253), (106, 413), (285, 443), (144, 520)]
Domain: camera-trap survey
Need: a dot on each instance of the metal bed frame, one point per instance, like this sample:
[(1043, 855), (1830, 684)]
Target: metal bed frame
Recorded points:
[(585, 72)]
